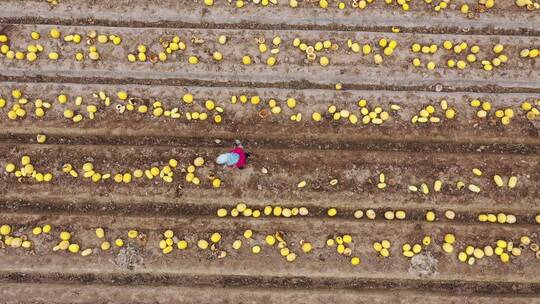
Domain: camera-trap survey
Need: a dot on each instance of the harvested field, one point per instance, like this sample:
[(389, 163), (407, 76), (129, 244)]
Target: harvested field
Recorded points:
[(394, 151)]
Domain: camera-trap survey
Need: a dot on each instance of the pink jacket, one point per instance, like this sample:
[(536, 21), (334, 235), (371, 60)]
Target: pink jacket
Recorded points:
[(242, 161)]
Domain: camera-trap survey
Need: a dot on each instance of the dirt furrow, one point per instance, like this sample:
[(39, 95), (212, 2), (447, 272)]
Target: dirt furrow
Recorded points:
[(102, 137), (50, 293), (459, 287), (301, 84)]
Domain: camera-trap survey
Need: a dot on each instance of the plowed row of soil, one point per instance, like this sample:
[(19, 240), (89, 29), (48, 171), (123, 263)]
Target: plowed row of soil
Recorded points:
[(357, 174), (345, 67), (268, 269), (245, 121)]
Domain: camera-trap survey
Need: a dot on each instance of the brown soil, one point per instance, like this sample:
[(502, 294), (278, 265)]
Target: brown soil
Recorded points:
[(283, 153)]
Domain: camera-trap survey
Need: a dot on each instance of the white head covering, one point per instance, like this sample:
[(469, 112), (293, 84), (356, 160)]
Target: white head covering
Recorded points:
[(229, 159), (222, 158)]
